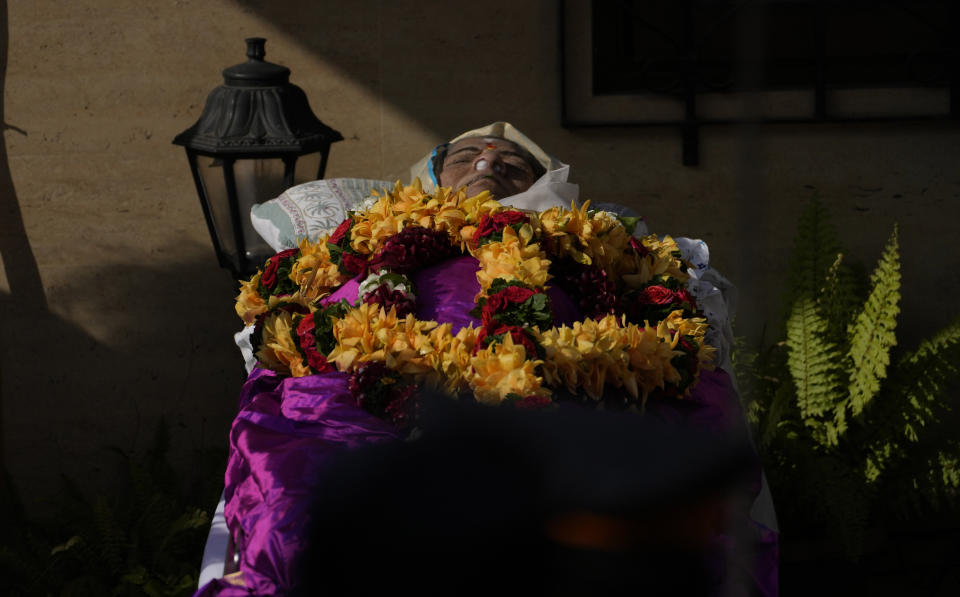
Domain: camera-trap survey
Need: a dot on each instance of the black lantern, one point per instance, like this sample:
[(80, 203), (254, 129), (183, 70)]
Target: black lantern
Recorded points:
[(257, 137)]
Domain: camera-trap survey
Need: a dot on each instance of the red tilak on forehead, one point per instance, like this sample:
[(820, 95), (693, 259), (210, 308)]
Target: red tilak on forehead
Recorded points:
[(491, 146)]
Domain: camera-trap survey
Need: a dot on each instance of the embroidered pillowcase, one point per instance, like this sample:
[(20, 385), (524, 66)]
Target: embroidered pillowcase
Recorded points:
[(310, 209)]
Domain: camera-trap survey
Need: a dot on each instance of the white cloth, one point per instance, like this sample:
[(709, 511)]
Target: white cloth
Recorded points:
[(423, 169), (550, 190), (215, 550)]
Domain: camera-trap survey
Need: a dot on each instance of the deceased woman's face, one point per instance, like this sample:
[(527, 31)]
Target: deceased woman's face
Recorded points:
[(487, 164)]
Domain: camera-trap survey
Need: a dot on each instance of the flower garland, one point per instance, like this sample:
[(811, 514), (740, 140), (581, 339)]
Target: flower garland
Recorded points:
[(642, 334)]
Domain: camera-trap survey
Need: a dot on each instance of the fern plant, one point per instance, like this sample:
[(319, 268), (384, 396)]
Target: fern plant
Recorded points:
[(841, 417), (146, 539)]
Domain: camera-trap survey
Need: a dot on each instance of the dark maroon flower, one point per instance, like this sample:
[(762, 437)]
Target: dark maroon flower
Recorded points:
[(269, 276), (382, 295), (391, 256), (393, 401), (341, 231), (533, 402), (589, 285), (656, 295), (355, 264), (402, 405), (413, 248)]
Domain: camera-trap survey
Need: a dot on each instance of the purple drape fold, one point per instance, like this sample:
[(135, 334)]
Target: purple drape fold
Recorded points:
[(287, 429)]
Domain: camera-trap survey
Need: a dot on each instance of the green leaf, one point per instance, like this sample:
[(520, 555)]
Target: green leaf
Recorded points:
[(913, 399), (629, 222), (873, 332), (778, 408), (815, 248), (814, 363), (841, 295)]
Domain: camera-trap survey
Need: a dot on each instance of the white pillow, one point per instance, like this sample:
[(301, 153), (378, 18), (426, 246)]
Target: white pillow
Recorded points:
[(310, 209)]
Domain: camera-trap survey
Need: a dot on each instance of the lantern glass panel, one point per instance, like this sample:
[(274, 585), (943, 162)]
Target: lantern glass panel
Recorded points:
[(257, 181), (215, 188)]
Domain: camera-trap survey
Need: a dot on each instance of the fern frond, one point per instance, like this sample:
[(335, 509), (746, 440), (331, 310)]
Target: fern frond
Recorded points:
[(841, 293), (919, 376), (873, 332), (110, 537), (778, 407), (814, 249), (913, 399), (814, 363)]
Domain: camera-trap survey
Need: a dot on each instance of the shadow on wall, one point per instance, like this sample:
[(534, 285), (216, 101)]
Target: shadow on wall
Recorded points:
[(450, 66), (162, 348)]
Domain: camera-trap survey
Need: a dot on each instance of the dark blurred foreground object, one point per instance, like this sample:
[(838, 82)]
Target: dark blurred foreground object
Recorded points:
[(256, 137), (496, 500)]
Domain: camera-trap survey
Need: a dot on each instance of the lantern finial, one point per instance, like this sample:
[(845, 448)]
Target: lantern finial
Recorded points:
[(255, 48)]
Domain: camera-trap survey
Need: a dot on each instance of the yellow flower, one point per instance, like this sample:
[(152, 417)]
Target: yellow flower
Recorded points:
[(607, 240), (502, 369), (313, 272), (371, 333), (452, 356), (582, 357), (512, 259), (649, 359), (662, 260), (249, 302), (279, 351), (477, 206)]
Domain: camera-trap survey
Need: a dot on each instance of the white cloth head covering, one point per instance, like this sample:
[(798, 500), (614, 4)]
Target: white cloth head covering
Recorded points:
[(550, 190)]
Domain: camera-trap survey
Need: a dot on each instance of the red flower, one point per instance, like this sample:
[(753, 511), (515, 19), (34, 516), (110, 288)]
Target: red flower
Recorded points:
[(511, 216), (683, 296), (501, 301), (355, 264), (508, 296), (656, 295), (308, 342), (517, 334), (341, 231), (493, 224), (269, 277), (638, 247)]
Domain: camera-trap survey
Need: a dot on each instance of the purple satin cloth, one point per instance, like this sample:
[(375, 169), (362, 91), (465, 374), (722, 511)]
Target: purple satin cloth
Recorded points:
[(286, 431), (289, 428)]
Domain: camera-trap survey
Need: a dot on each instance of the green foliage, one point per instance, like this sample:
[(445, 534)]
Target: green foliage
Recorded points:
[(145, 540), (852, 432), (873, 333), (815, 249), (814, 362)]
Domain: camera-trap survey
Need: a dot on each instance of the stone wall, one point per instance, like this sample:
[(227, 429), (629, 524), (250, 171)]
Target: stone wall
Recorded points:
[(113, 309)]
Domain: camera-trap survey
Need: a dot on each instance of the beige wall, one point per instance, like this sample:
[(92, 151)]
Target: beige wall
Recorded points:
[(139, 318)]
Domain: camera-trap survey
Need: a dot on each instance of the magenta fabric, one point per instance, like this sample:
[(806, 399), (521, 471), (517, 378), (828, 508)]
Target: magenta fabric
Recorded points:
[(288, 428)]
